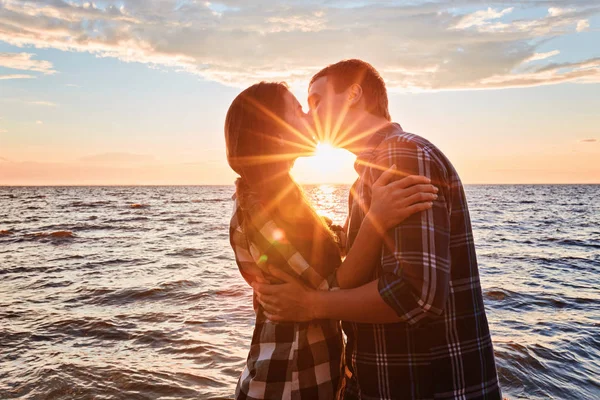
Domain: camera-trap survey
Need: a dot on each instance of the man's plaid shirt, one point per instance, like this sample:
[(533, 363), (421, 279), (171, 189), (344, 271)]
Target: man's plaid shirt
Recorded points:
[(287, 360), (429, 276)]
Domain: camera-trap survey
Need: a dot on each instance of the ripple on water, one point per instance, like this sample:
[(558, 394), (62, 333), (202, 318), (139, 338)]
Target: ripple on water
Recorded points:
[(146, 302)]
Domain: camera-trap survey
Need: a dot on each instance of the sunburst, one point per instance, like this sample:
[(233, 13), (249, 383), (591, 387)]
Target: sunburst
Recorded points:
[(320, 159)]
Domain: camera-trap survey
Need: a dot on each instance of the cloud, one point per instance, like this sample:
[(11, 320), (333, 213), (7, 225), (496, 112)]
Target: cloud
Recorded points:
[(310, 23), (118, 158), (3, 131), (16, 76), (586, 71), (42, 103), (588, 140), (481, 18), (582, 25), (23, 61), (39, 122), (418, 46), (542, 56), (557, 11)]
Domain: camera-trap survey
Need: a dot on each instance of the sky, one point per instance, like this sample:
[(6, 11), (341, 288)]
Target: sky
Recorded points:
[(136, 91)]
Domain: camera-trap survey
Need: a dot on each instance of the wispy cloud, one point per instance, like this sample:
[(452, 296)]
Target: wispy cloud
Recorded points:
[(542, 56), (39, 122), (591, 140), (16, 76), (42, 103), (481, 18), (558, 11), (422, 46), (3, 131), (585, 71), (118, 159), (24, 62)]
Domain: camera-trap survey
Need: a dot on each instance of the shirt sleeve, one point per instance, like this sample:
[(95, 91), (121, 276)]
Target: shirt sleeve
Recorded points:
[(416, 254), (239, 242), (269, 247)]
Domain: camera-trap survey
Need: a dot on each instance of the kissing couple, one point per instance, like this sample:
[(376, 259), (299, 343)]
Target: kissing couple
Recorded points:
[(399, 280)]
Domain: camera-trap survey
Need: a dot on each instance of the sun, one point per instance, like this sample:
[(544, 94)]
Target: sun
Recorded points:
[(325, 152), (327, 165)]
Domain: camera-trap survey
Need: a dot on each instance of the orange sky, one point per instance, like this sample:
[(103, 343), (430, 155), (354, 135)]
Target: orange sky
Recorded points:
[(509, 94)]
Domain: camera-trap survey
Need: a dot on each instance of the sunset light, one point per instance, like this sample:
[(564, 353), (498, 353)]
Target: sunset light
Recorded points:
[(299, 199), (327, 165)]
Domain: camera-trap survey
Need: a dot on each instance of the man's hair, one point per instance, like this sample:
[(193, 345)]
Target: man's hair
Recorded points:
[(347, 72)]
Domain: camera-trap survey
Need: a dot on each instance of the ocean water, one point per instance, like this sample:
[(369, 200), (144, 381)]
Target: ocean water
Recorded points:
[(133, 293)]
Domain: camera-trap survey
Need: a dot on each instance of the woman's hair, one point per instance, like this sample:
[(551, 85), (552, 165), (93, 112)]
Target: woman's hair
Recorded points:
[(252, 132), (252, 136)]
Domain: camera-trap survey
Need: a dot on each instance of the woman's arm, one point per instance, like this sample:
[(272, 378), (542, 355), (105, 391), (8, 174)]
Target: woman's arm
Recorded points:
[(391, 204), (358, 265)]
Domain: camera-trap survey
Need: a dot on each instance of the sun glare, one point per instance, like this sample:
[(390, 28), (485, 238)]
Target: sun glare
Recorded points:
[(327, 165)]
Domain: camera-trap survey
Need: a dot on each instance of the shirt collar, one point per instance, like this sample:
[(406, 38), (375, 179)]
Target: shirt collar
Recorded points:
[(374, 141)]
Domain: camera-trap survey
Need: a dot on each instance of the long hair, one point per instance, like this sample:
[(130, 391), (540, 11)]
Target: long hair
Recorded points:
[(251, 133), (252, 136)]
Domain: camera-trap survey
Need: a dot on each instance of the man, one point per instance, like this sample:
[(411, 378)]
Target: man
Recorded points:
[(419, 329)]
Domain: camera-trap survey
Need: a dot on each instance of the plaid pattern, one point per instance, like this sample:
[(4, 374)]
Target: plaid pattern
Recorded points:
[(286, 360), (428, 274)]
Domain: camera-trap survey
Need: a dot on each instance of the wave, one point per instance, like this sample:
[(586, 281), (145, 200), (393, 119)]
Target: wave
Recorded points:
[(148, 303), (188, 252), (87, 327), (507, 299), (132, 219), (91, 204), (139, 206), (172, 291), (532, 371), (571, 242), (66, 381), (63, 235)]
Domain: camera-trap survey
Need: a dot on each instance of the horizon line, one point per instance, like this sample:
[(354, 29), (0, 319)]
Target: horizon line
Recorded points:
[(300, 183)]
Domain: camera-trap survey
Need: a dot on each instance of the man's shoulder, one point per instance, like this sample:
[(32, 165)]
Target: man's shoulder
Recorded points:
[(405, 141), (399, 137)]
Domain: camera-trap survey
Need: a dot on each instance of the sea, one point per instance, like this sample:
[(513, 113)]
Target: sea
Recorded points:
[(133, 293)]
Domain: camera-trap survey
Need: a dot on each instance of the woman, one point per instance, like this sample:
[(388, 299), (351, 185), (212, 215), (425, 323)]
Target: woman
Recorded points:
[(274, 226)]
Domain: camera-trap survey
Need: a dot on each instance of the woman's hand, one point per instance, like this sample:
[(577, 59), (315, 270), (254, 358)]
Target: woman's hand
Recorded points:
[(392, 201), (288, 301)]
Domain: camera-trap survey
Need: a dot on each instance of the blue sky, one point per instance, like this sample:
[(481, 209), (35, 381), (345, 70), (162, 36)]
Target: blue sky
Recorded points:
[(137, 91)]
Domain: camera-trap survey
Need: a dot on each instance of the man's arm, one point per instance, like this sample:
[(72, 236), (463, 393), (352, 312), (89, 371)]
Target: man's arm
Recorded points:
[(415, 281), (294, 301), (415, 262), (363, 304), (391, 203)]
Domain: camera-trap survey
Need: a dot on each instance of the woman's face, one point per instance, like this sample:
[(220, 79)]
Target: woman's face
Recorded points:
[(296, 135)]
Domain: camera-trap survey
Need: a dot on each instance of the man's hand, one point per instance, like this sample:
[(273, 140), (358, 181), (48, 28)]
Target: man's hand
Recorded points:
[(393, 200), (289, 301)]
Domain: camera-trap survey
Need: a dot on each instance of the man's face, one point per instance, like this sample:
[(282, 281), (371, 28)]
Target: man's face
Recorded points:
[(327, 110)]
